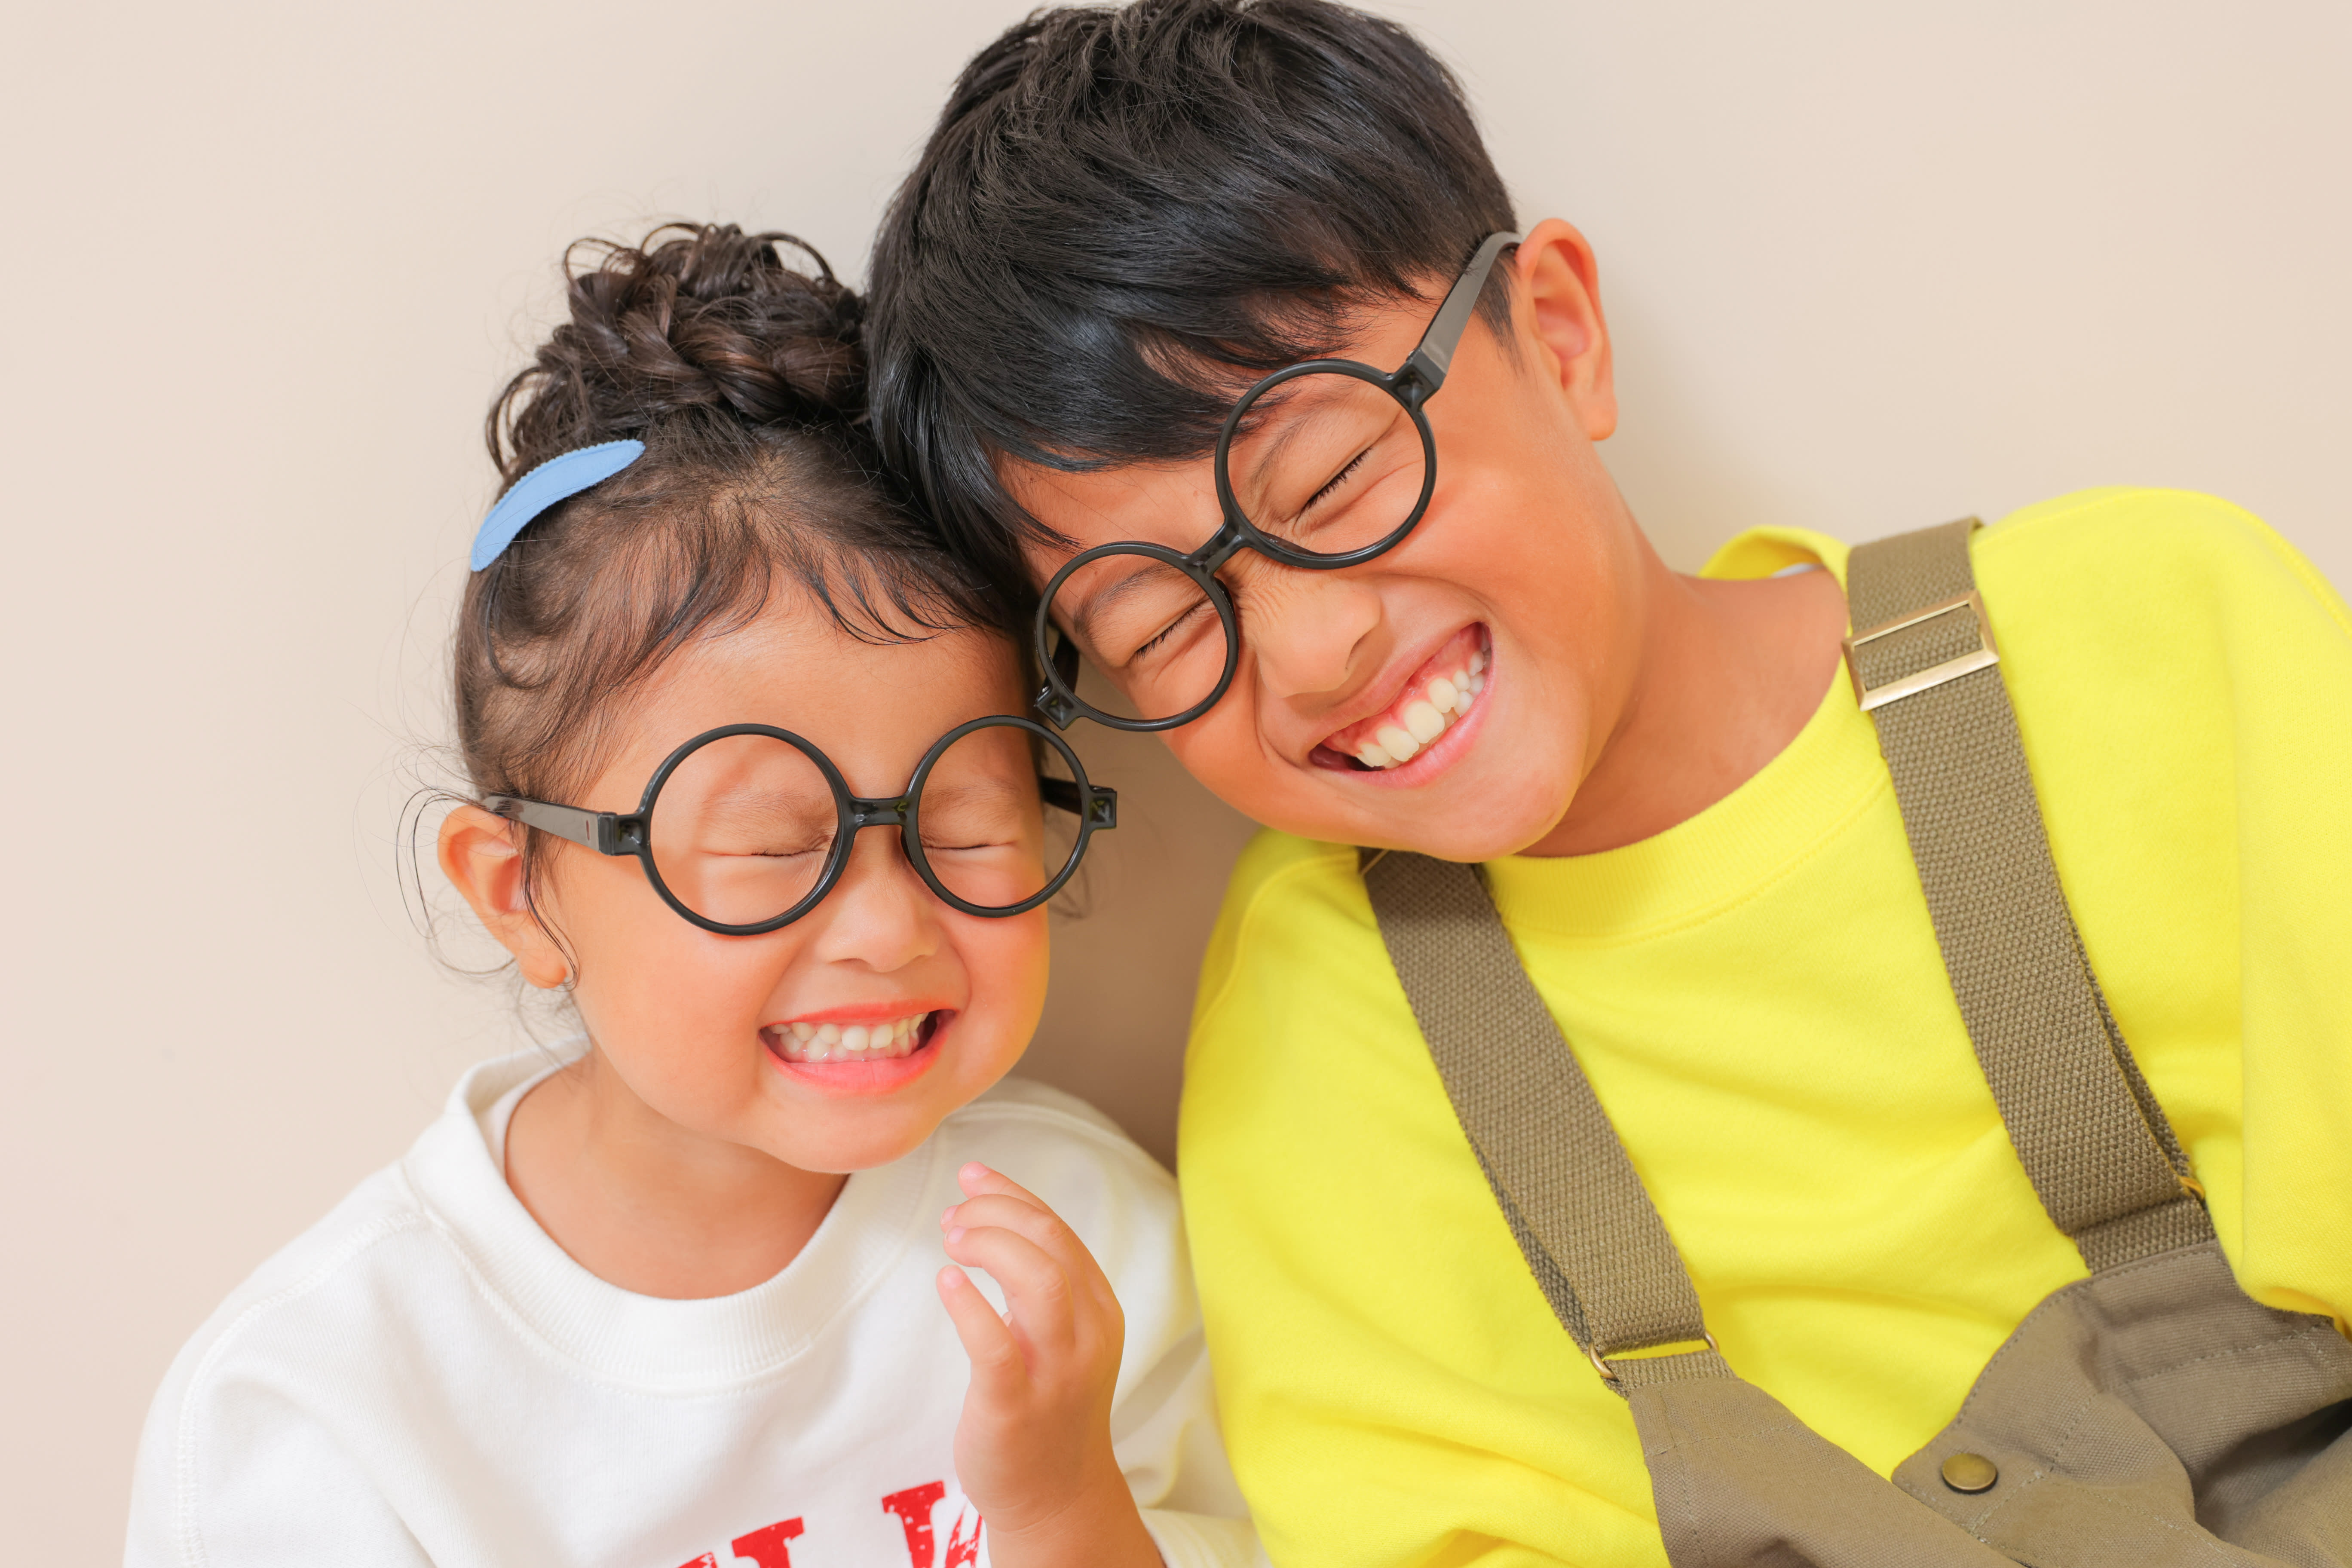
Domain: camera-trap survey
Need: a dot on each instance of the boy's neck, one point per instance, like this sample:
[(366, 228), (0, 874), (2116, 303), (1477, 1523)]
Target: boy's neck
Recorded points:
[(647, 1204), (1720, 676)]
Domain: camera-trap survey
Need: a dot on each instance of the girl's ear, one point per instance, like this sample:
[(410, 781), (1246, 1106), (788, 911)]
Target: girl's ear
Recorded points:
[(1561, 281), (481, 860)]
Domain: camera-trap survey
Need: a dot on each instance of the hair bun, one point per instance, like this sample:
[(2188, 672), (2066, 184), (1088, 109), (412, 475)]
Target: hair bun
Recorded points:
[(695, 317)]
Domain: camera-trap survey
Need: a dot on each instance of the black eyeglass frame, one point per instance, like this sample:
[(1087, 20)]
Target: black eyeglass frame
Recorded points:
[(1411, 384), (631, 833)]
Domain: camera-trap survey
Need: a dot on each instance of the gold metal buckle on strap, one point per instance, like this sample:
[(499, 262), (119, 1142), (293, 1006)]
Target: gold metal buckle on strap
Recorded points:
[(1605, 1370), (1934, 675)]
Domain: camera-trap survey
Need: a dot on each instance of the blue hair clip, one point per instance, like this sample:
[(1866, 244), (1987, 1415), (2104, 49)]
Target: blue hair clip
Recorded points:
[(558, 479)]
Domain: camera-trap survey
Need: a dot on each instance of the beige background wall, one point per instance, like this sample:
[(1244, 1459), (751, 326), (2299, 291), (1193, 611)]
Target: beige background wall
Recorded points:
[(1869, 265)]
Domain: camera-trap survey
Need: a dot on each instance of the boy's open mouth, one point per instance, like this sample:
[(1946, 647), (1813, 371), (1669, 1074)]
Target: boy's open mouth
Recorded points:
[(1439, 694), (886, 1039)]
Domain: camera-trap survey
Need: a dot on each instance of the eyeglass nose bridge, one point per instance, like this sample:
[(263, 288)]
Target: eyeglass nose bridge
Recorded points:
[(1230, 540), (883, 811)]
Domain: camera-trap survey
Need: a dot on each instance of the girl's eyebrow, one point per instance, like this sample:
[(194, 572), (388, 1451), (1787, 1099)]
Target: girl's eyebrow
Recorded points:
[(996, 788)]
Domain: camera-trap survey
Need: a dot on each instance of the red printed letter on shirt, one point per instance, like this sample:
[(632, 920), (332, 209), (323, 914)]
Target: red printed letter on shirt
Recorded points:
[(964, 1551), (913, 1507), (766, 1547)]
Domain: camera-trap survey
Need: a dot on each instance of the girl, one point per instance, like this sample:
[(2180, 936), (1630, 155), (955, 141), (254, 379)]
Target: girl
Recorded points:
[(676, 1297)]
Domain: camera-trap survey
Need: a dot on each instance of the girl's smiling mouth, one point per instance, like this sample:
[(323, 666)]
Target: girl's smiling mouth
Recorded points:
[(808, 1041), (872, 1057)]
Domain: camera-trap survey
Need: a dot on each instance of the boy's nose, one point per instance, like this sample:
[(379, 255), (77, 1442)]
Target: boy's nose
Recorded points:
[(1306, 631)]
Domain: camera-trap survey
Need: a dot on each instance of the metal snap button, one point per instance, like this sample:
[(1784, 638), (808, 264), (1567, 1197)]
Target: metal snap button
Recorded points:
[(1970, 1473)]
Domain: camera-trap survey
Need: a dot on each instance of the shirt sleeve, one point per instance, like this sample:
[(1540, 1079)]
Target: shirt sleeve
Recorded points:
[(1165, 1433), (1164, 1426), (2286, 638), (232, 1474), (2186, 697)]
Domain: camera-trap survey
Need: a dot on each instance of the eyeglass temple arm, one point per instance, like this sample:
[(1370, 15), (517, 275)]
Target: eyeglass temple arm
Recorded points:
[(1429, 362), (1101, 808), (605, 832)]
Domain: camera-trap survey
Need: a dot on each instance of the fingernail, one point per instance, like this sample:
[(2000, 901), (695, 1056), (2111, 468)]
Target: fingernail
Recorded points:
[(948, 1214), (955, 1236)]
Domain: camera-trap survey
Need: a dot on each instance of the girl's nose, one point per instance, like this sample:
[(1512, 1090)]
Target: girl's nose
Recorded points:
[(881, 913), (1306, 631)]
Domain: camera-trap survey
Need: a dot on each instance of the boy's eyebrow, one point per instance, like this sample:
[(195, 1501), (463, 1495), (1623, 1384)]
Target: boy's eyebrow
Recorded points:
[(1082, 617), (1285, 431), (1273, 405)]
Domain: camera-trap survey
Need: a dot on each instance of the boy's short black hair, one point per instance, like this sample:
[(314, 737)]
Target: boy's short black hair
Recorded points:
[(1127, 213)]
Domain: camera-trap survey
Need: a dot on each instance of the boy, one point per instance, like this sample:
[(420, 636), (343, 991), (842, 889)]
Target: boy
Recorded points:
[(1442, 631)]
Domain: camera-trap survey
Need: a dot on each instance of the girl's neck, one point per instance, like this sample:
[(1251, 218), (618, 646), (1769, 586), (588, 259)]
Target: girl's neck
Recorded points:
[(645, 1205), (1720, 676)]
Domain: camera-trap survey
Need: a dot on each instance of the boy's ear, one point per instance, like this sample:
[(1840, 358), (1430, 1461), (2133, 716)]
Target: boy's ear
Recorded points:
[(479, 855), (1556, 274)]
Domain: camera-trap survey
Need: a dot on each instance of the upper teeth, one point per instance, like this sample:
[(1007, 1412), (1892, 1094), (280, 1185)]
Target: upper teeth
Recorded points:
[(1425, 716), (846, 1042)]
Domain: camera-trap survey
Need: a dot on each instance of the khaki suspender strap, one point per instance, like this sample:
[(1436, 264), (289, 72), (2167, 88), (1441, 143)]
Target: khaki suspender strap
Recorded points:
[(2097, 1147), (1580, 1214), (2091, 1138)]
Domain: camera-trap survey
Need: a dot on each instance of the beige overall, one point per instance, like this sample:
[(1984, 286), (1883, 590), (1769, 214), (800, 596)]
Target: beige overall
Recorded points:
[(2152, 1414)]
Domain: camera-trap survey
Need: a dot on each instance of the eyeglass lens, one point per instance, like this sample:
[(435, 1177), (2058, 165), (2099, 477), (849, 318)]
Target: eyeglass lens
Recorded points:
[(745, 826), (1148, 627), (1325, 463), (982, 826)]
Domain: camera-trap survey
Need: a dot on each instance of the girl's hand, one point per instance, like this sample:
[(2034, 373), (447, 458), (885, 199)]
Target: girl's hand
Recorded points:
[(1033, 1451)]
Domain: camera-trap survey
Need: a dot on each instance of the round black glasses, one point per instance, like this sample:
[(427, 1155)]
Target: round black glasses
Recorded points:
[(1325, 464), (746, 828)]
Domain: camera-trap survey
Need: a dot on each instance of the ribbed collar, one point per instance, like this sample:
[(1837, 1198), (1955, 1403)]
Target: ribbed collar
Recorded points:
[(656, 1345), (1829, 774)]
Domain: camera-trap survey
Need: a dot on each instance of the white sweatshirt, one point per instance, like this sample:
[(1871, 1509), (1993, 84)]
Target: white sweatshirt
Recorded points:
[(425, 1377)]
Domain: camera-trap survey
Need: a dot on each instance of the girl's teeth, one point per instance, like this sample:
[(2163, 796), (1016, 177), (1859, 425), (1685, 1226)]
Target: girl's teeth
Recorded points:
[(1426, 717), (853, 1042)]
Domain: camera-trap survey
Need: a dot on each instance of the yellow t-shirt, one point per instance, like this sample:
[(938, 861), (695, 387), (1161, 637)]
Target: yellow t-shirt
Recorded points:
[(1758, 998)]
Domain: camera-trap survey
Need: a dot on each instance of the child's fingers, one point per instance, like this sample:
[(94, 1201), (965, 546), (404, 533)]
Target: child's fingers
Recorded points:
[(1036, 1291), (998, 1372), (975, 1179), (1042, 1227), (1000, 1202)]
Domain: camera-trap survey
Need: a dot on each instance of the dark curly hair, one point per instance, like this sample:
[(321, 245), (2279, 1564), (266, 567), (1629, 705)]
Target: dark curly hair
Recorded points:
[(746, 381)]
